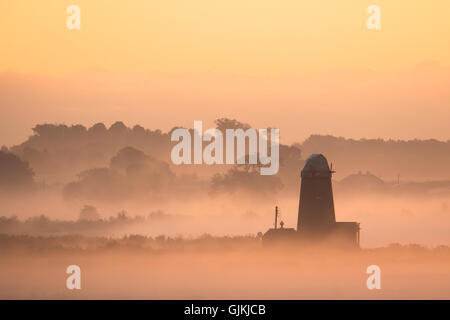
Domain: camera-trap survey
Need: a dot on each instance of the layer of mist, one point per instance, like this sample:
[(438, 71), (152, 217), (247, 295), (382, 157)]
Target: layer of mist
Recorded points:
[(111, 201)]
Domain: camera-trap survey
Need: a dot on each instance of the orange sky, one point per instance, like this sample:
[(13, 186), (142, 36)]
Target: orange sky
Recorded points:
[(306, 67)]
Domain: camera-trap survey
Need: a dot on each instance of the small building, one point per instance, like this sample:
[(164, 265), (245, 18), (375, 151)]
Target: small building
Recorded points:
[(279, 235)]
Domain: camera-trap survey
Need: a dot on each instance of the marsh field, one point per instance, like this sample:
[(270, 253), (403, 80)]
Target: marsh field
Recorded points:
[(136, 267)]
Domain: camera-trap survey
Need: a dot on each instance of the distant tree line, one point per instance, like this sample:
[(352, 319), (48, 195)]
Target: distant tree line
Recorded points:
[(120, 162)]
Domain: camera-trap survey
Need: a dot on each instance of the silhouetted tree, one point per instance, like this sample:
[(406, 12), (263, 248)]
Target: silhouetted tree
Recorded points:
[(131, 173), (224, 123), (127, 157), (98, 130), (15, 174), (118, 128), (89, 213)]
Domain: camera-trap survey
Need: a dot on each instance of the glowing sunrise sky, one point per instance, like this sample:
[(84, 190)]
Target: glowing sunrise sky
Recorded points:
[(303, 66)]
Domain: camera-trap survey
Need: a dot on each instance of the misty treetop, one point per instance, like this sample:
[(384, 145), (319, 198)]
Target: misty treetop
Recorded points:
[(120, 162), (15, 174)]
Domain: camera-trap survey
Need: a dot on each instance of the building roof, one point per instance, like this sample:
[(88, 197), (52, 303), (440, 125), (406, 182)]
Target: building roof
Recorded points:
[(316, 163)]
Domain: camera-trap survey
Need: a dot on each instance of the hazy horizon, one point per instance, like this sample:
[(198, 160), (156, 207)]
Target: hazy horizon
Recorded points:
[(410, 103)]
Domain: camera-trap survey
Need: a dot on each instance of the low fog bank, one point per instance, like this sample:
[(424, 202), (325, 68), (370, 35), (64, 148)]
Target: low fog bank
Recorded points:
[(137, 267), (384, 219), (126, 178)]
